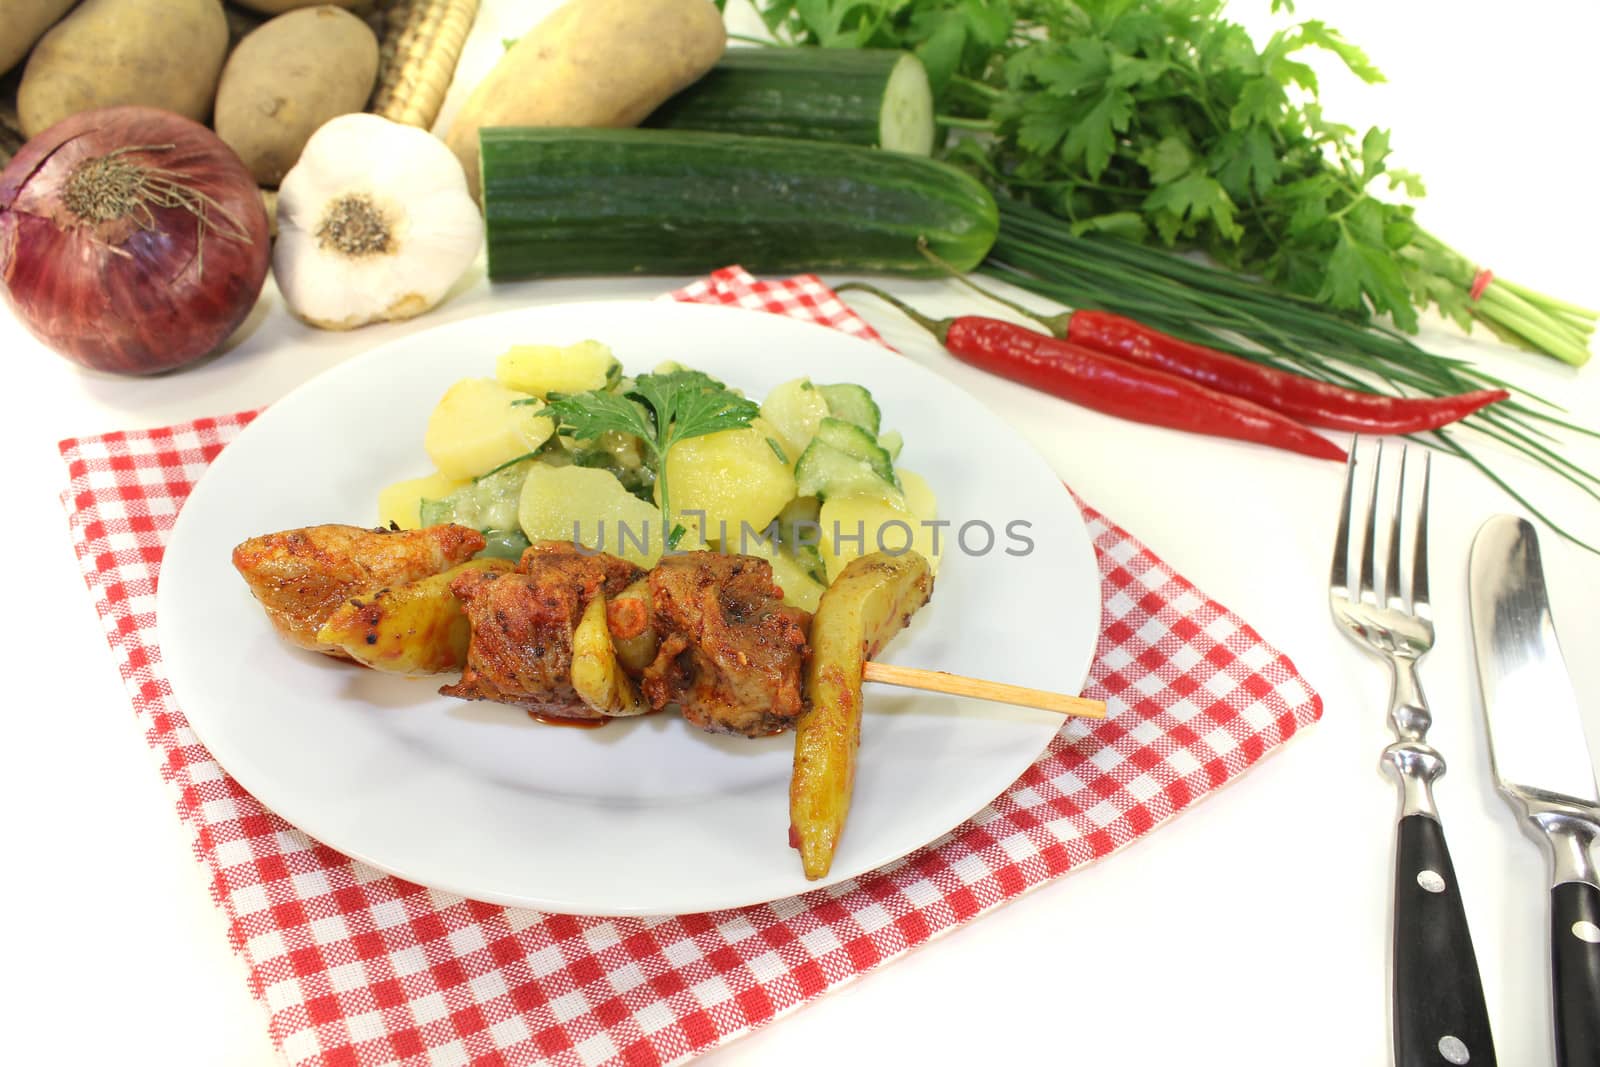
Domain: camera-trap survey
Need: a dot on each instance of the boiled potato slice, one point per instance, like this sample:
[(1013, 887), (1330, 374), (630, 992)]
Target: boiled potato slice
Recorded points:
[(920, 500), (596, 675), (870, 601), (476, 427), (589, 506), (794, 410), (857, 524), (545, 369), (416, 628), (732, 477), (401, 503)]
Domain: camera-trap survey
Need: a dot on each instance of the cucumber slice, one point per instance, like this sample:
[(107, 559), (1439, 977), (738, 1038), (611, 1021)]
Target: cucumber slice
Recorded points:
[(852, 403), (891, 442), (490, 503), (844, 458), (871, 97), (825, 470), (852, 440), (906, 120)]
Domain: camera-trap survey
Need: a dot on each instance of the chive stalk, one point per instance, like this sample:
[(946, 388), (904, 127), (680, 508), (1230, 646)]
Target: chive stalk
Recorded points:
[(1042, 254)]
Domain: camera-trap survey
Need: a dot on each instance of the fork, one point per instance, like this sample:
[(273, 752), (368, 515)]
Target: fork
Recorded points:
[(1438, 1007)]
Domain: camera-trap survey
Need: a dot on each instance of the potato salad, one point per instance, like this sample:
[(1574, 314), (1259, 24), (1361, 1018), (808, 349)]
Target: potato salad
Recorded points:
[(561, 445)]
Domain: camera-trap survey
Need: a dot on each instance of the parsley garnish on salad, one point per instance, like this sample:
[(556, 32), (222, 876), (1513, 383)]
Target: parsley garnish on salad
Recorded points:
[(660, 410)]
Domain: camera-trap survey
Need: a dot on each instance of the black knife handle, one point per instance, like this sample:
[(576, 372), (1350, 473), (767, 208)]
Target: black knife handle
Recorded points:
[(1575, 974), (1439, 1013)]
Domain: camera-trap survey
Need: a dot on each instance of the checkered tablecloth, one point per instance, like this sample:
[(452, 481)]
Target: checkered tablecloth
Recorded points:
[(357, 967)]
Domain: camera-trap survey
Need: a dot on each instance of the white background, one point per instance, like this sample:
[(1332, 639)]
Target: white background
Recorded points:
[(1252, 930)]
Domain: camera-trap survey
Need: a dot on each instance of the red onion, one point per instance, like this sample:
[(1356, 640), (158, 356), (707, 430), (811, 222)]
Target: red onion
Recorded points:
[(132, 240)]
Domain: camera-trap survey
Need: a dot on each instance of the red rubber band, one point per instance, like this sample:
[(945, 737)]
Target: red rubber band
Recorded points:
[(1480, 283)]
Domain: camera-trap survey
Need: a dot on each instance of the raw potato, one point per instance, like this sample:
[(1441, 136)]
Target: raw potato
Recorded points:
[(864, 607), (592, 63), (159, 53), (477, 426), (24, 23), (734, 477), (288, 78), (401, 503), (544, 369), (416, 628), (589, 506)]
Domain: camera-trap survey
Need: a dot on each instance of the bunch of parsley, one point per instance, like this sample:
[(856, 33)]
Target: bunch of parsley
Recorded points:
[(1161, 121)]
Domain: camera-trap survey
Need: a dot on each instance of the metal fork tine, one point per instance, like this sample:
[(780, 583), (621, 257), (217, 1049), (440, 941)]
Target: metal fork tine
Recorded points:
[(1368, 593), (1391, 567), (1339, 578), (1419, 561)]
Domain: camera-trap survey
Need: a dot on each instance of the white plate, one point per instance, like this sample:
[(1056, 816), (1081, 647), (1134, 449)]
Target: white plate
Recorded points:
[(643, 816)]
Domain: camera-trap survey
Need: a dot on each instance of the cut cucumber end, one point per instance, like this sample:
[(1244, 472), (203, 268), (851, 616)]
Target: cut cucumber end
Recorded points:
[(905, 122)]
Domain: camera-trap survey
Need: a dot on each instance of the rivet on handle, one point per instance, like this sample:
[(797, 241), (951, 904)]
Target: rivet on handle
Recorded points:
[(1433, 882), (1453, 1050), (1584, 930)]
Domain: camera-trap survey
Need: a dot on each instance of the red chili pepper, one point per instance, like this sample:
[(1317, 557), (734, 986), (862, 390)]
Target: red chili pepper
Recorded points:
[(1111, 385), (1126, 390), (1312, 402)]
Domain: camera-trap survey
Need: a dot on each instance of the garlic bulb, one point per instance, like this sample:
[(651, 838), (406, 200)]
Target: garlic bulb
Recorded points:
[(374, 223)]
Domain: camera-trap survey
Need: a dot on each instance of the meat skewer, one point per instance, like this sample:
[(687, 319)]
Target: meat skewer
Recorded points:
[(571, 635)]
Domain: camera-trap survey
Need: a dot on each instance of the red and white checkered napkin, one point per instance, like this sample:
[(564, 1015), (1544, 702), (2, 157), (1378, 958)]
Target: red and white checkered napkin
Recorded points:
[(356, 967)]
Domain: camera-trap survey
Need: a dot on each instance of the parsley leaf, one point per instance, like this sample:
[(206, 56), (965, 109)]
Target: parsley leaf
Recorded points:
[(1179, 207), (660, 410), (586, 416)]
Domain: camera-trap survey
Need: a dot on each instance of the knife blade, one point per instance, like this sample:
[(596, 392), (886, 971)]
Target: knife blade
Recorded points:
[(1542, 763)]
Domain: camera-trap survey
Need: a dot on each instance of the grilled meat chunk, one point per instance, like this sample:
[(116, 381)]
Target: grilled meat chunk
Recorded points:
[(523, 623), (731, 651), (300, 576)]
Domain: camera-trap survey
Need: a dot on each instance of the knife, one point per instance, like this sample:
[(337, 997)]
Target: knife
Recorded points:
[(1541, 762)]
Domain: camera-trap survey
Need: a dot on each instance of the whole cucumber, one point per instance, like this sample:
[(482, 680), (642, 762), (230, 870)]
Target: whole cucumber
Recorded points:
[(602, 202)]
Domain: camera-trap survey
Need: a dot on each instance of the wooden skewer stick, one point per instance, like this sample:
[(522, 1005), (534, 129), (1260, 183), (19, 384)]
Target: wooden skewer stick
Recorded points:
[(960, 685)]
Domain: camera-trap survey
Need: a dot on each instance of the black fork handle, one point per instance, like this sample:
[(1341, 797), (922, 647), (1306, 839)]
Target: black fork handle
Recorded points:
[(1439, 1012)]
